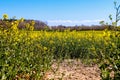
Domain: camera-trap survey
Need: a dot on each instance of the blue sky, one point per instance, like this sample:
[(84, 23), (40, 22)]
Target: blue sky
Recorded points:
[(57, 12)]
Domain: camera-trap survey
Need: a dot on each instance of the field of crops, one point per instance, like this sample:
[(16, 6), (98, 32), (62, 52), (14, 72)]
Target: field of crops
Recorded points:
[(28, 54)]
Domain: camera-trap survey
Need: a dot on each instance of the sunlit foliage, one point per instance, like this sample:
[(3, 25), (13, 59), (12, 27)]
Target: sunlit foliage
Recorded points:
[(28, 54)]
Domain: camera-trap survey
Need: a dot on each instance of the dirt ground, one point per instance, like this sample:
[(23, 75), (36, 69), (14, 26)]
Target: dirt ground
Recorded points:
[(73, 70)]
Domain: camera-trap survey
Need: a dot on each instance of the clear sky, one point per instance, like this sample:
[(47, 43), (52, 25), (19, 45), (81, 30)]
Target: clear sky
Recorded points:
[(55, 12)]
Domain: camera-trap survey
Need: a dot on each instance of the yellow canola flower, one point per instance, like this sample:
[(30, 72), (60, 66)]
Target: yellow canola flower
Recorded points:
[(51, 42), (5, 16), (22, 19), (45, 48), (113, 45)]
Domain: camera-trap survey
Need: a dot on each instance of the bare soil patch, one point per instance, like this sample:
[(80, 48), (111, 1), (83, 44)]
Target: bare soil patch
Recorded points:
[(72, 70)]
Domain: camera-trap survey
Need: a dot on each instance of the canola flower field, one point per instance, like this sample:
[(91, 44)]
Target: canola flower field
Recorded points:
[(28, 54)]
